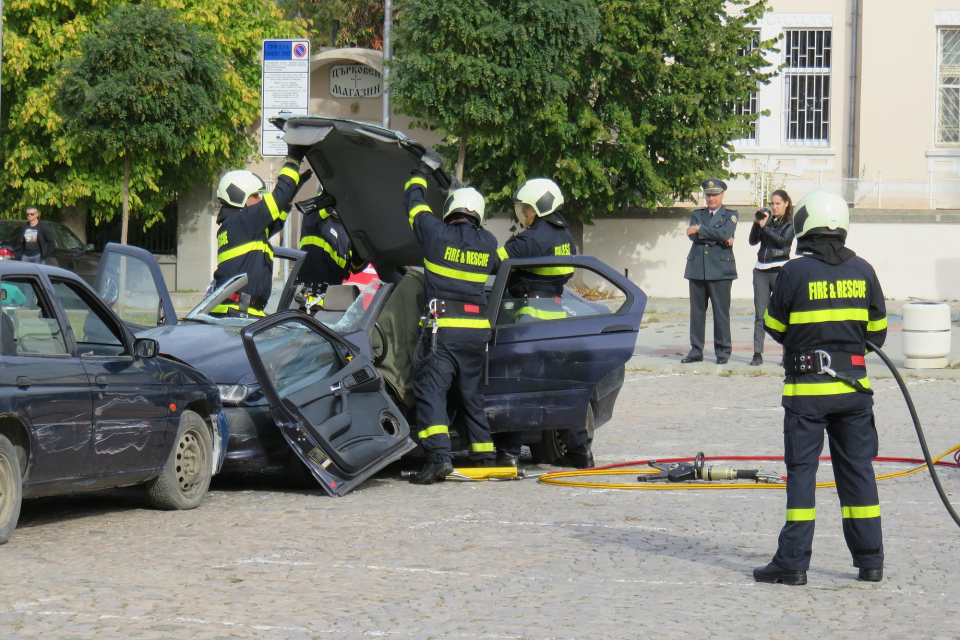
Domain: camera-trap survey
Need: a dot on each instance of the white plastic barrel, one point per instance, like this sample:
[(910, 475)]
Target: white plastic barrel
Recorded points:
[(926, 334)]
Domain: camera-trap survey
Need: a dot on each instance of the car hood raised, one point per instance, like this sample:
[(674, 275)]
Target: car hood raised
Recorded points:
[(365, 167)]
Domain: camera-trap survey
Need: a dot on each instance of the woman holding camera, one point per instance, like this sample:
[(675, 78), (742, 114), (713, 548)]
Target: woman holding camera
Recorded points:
[(773, 231)]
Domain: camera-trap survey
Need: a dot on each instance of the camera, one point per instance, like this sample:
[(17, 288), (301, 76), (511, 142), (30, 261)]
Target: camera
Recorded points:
[(762, 213)]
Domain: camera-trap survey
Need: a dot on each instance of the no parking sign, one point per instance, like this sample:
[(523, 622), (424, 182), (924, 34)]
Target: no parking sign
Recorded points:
[(285, 86)]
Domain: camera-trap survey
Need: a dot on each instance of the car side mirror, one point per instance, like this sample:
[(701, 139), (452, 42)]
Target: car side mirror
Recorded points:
[(145, 348), (90, 247), (339, 297)]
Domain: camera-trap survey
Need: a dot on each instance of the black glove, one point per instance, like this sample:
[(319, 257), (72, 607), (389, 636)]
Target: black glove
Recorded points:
[(432, 159), (322, 201), (296, 152), (454, 185)]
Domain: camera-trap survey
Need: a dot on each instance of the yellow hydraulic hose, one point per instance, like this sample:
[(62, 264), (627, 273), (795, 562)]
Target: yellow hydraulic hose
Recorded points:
[(555, 478)]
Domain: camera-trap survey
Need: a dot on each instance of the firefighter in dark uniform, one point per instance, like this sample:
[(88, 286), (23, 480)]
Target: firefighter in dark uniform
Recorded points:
[(537, 206), (330, 259), (711, 270), (825, 306), (458, 255), (247, 221)]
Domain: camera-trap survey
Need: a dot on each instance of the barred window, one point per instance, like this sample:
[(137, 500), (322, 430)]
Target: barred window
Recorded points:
[(948, 86), (749, 106), (808, 54)]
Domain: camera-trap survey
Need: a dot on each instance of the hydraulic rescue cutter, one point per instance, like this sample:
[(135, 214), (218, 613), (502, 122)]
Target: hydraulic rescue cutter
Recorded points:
[(685, 472)]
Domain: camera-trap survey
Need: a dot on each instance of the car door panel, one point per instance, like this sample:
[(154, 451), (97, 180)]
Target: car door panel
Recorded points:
[(327, 398), (129, 280)]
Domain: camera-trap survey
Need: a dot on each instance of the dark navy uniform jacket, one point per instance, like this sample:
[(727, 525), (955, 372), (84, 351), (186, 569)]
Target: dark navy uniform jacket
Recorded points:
[(836, 308), (540, 240), (710, 258), (330, 258), (457, 258), (243, 244)]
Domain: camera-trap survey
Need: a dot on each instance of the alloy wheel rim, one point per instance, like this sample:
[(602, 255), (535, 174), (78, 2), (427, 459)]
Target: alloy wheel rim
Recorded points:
[(190, 462)]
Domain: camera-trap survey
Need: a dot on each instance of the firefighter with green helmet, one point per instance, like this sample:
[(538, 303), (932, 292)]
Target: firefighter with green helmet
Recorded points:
[(826, 305)]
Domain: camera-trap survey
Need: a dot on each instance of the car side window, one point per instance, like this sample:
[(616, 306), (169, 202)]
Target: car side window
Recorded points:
[(96, 332), (556, 293), (295, 356), (129, 290), (67, 240), (29, 326)]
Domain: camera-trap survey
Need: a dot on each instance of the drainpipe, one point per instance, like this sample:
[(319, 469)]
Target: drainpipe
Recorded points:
[(851, 144), (387, 28)]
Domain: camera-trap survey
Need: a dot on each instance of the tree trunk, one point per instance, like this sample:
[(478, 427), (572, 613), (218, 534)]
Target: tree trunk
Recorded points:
[(126, 196), (575, 225), (461, 157)]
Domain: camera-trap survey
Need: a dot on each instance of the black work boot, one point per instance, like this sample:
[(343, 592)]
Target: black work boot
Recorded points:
[(757, 360), (579, 458), (505, 459), (870, 575), (776, 574), (431, 472)]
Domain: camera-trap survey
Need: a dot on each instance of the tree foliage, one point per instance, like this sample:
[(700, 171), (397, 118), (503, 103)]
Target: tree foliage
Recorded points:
[(141, 88), (48, 166), (361, 21), (477, 69)]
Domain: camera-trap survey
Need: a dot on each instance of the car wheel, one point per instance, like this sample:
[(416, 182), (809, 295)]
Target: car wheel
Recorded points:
[(552, 447), (297, 475), (186, 476), (11, 488)]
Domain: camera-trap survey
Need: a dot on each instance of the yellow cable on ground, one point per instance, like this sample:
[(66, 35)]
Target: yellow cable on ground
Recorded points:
[(554, 478)]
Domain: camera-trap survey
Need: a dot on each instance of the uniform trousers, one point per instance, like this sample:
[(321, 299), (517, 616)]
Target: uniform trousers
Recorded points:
[(458, 365), (853, 445), (718, 293), (763, 281)]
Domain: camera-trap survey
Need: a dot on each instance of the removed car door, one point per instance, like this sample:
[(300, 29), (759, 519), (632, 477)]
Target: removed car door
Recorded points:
[(130, 282), (327, 398)]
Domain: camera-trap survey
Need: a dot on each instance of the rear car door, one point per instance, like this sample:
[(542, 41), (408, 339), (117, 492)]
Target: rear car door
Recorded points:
[(550, 361), (129, 280), (327, 398)]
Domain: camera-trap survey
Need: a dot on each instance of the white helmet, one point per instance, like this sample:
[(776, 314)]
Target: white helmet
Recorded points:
[(823, 210), (466, 200), (236, 186), (540, 193)]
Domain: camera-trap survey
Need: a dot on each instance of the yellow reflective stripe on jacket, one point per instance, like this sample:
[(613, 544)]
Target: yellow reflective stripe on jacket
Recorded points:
[(828, 315), (481, 447), (877, 325), (773, 323), (549, 271), (873, 511), (435, 430), (415, 180), (540, 313), (275, 212), (323, 244), (236, 252), (502, 253), (821, 388), (454, 273), (290, 173), (463, 323), (799, 515), (420, 208), (225, 307)]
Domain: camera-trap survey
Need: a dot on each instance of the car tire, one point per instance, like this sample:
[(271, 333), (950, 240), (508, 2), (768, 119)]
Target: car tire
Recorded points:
[(185, 477), (552, 447), (297, 475), (11, 489)]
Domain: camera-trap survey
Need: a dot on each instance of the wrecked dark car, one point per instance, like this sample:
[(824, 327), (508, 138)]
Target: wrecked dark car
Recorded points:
[(337, 388), (84, 404)]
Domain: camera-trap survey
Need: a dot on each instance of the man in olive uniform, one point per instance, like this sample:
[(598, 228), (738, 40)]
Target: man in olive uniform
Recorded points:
[(711, 270)]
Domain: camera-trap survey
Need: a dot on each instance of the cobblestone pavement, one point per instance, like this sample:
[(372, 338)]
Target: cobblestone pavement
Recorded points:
[(503, 560)]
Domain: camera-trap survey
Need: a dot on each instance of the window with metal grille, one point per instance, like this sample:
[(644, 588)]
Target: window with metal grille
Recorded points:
[(948, 86), (748, 106), (808, 54)]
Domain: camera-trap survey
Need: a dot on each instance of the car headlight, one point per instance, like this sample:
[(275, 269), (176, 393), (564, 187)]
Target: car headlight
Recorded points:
[(232, 394)]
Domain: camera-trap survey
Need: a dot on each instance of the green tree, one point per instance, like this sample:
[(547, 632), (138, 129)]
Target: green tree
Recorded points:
[(361, 21), (478, 69), (649, 112), (46, 165), (143, 85)]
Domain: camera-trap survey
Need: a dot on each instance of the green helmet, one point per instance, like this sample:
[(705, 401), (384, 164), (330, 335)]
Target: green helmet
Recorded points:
[(823, 212), (467, 201)]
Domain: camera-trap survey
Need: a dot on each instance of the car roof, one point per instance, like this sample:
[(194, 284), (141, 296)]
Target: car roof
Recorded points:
[(16, 267)]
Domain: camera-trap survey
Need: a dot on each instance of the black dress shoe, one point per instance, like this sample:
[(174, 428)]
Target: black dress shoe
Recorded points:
[(432, 472), (507, 460), (776, 574), (757, 360), (722, 360), (579, 458), (870, 575), (690, 359)]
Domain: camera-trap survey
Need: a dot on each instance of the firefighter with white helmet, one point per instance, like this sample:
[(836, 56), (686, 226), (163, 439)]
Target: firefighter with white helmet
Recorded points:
[(247, 219), (458, 255), (826, 305)]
